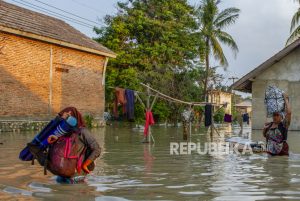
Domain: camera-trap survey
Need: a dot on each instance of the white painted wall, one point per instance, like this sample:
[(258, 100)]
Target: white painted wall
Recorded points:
[(285, 74)]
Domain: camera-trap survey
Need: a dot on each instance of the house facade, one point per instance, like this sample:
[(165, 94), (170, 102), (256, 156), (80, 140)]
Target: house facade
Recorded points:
[(46, 65), (221, 97), (283, 71), (245, 106)]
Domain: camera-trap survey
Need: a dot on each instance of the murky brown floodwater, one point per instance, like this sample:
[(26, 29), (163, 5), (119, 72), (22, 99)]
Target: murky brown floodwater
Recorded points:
[(129, 170)]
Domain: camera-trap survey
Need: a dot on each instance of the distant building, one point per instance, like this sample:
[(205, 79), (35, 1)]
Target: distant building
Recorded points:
[(220, 97), (245, 106), (46, 65), (281, 70)]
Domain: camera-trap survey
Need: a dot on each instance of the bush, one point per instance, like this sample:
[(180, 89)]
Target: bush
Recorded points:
[(88, 119), (219, 116)]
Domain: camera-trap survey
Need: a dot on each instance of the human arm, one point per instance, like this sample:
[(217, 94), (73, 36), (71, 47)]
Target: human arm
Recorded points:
[(266, 128), (287, 111), (93, 147)]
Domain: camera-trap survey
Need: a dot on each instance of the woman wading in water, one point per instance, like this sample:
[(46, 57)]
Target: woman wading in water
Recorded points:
[(276, 131), (76, 151)]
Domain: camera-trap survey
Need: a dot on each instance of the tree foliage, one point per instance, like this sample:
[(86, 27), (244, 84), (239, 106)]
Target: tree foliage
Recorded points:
[(212, 23), (158, 42), (295, 26)]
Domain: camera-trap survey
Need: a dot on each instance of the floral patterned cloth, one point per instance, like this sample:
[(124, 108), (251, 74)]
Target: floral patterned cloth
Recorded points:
[(275, 141)]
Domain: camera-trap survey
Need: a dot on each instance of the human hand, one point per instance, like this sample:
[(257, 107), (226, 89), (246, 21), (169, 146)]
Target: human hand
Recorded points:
[(85, 166), (267, 125), (51, 139)]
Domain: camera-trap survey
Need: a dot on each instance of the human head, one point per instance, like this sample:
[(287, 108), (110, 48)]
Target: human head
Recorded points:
[(277, 118), (72, 111)]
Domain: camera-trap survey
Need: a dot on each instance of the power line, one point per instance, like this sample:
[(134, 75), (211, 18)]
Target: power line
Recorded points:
[(68, 12), (56, 13), (91, 8), (43, 10)]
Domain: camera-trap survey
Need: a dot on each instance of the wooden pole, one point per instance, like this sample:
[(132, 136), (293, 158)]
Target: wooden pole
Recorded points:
[(50, 81), (148, 108)]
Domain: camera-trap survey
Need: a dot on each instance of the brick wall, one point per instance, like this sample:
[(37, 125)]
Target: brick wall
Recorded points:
[(25, 79)]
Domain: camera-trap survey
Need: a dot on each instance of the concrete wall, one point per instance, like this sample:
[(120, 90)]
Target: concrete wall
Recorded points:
[(285, 74), (26, 90)]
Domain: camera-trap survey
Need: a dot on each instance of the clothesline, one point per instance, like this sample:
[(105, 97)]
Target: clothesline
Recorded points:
[(171, 99), (166, 97)]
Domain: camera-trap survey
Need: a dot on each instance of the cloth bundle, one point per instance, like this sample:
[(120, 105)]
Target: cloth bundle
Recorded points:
[(227, 118), (274, 101), (188, 115)]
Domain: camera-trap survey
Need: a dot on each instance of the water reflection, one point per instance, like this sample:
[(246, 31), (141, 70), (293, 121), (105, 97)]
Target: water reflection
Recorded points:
[(129, 170)]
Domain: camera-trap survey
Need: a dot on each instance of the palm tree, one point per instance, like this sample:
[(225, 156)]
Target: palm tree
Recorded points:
[(212, 23), (295, 26)]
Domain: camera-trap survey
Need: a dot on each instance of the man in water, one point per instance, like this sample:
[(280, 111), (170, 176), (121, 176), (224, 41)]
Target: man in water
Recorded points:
[(276, 131)]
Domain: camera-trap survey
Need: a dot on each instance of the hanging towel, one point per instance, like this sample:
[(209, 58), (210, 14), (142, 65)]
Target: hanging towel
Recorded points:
[(149, 122), (208, 116), (129, 94), (120, 98), (246, 118), (228, 118)]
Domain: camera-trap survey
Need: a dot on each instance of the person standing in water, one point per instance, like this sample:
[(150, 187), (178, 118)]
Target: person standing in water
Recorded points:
[(86, 145), (276, 131)]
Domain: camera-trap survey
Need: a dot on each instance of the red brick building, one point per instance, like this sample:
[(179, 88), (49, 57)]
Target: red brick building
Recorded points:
[(46, 65)]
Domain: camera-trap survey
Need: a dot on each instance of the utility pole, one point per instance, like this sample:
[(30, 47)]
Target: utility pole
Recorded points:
[(233, 80)]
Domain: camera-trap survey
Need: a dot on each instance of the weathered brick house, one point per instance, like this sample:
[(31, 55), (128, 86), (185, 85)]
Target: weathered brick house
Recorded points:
[(46, 65)]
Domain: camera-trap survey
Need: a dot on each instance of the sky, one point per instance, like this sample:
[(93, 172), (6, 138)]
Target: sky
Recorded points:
[(261, 30)]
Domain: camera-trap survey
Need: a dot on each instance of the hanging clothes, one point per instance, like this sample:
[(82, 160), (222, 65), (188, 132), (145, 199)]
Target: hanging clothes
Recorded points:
[(120, 98), (228, 118), (208, 115), (129, 94), (149, 122), (246, 118)]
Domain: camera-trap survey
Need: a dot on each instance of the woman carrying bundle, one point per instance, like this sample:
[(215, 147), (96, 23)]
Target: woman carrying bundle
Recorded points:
[(276, 131), (72, 156)]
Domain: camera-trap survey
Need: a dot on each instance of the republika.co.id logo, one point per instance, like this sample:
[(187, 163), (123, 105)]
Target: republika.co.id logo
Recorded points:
[(212, 148)]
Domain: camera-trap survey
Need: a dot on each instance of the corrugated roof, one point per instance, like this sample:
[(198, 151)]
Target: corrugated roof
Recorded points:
[(245, 83), (24, 20)]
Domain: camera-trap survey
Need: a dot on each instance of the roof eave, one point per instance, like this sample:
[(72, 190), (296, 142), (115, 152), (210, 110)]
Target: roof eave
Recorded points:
[(56, 42), (242, 83)]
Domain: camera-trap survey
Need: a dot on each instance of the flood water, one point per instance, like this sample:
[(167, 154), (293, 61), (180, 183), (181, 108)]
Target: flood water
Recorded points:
[(129, 170)]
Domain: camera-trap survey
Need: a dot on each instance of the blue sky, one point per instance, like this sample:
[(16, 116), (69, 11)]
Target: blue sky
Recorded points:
[(260, 32)]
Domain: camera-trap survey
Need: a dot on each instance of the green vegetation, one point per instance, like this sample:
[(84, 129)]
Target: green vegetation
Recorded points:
[(219, 116), (88, 119), (162, 43)]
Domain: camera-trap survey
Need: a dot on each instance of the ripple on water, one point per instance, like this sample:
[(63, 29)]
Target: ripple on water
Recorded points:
[(39, 187), (110, 198), (181, 186), (16, 191), (191, 192)]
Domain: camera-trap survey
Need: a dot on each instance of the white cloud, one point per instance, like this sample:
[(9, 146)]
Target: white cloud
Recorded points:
[(260, 32)]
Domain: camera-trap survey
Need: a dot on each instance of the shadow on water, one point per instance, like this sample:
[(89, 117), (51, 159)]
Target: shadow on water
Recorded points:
[(129, 170)]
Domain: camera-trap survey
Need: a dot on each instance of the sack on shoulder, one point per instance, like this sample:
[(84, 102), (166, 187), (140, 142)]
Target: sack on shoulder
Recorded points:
[(64, 159)]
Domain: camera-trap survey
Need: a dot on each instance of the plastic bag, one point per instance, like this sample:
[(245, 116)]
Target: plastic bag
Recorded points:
[(274, 101)]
